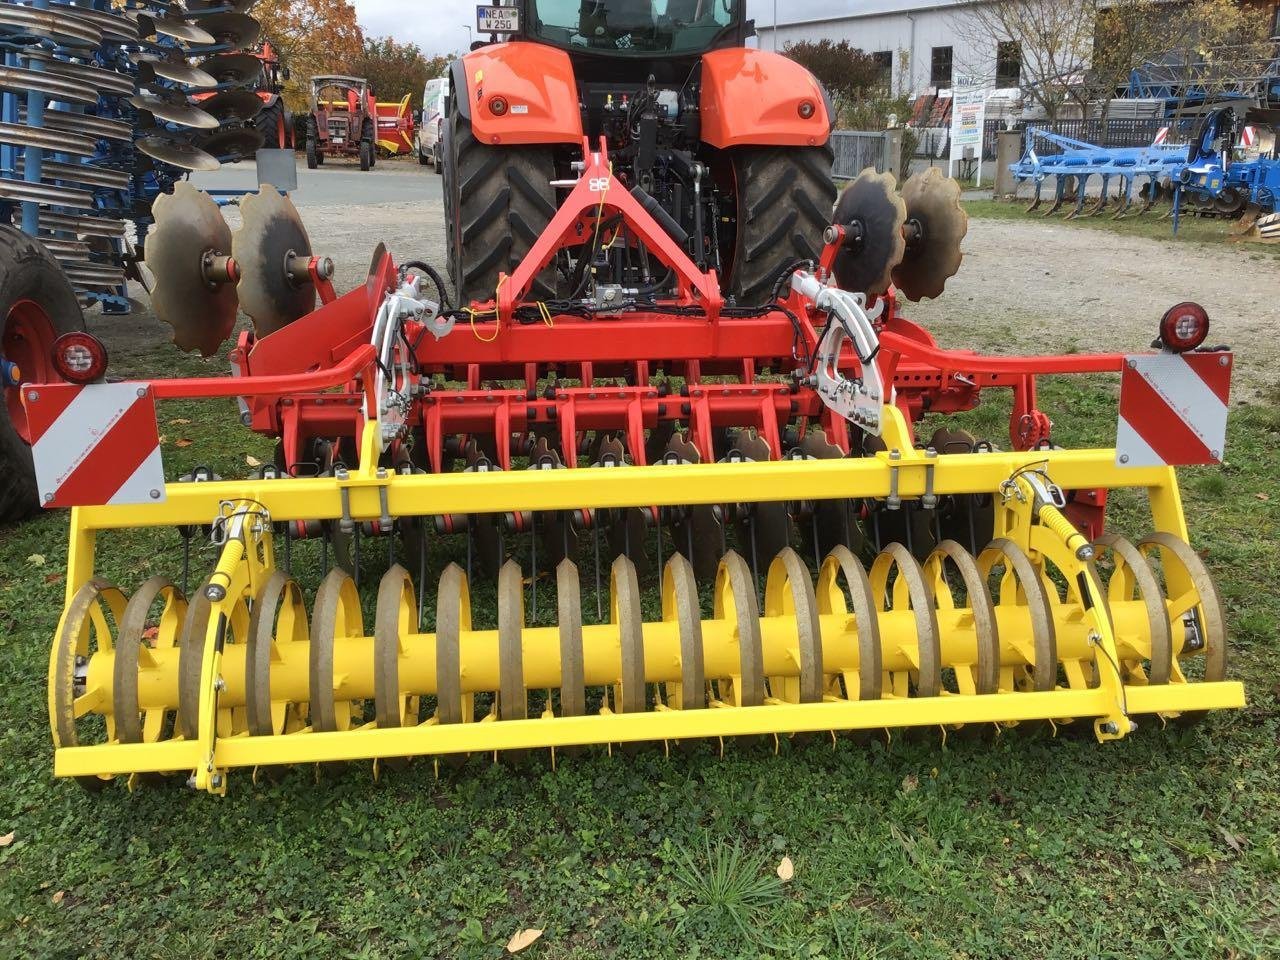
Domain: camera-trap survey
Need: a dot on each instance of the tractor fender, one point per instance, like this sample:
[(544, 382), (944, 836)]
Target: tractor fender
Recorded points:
[(755, 97), (536, 84)]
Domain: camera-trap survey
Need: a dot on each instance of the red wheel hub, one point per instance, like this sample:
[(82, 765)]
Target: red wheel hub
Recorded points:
[(28, 340)]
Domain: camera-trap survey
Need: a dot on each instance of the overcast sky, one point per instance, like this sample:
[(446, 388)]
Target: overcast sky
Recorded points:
[(439, 26)]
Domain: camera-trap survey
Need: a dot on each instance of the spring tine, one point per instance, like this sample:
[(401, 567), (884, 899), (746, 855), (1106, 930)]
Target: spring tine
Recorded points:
[(355, 559), (186, 564), (288, 549), (533, 562), (817, 551), (391, 552), (470, 537), (658, 528)]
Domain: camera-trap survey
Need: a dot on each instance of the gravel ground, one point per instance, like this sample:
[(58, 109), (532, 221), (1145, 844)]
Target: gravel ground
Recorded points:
[(1029, 287)]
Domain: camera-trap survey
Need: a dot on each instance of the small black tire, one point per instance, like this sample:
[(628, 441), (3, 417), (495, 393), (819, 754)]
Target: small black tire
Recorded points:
[(366, 152), (785, 197), (28, 275), (498, 202), (270, 122), (313, 159), (422, 157), (436, 160)]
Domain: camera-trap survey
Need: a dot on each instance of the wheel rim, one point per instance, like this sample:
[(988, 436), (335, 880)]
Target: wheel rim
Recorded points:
[(28, 342)]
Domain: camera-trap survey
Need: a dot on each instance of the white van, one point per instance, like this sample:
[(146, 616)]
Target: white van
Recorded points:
[(431, 127)]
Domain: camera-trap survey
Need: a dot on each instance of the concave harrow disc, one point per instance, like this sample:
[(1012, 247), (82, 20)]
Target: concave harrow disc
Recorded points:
[(872, 202), (936, 223), (271, 236)]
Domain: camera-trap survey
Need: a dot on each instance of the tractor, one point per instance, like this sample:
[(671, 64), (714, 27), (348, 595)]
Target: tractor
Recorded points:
[(343, 121), (728, 146)]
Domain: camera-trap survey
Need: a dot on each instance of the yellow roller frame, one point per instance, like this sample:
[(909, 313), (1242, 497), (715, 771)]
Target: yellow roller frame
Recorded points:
[(245, 509)]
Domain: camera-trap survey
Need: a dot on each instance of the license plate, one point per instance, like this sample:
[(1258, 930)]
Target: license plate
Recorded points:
[(497, 19), (337, 140)]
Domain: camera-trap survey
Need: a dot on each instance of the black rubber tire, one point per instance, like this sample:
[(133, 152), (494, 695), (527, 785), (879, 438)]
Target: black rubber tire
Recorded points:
[(370, 138), (498, 202), (422, 157), (365, 151), (785, 196), (28, 272), (313, 159), (268, 123), (436, 159)]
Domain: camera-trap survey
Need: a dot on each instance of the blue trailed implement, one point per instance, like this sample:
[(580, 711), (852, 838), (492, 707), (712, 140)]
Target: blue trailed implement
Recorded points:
[(1146, 169)]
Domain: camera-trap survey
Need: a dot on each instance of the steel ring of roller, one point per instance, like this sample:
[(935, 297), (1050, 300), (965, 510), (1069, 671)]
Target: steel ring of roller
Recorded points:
[(395, 618), (73, 640), (1133, 573), (131, 726), (195, 628), (788, 590), (1018, 566), (453, 616), (625, 612), (841, 561), (271, 624), (910, 587), (735, 602), (573, 696), (680, 606), (337, 614), (986, 674), (513, 701), (1208, 607)]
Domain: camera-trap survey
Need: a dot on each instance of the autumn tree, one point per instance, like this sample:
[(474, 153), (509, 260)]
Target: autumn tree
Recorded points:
[(1054, 38), (310, 37), (860, 85), (1218, 47), (394, 68)]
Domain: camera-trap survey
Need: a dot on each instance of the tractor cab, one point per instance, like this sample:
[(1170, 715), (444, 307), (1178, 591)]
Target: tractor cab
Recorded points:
[(637, 28)]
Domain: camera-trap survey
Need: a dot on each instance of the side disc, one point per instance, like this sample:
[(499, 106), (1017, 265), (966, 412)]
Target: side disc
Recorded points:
[(872, 203), (940, 223), (238, 69), (179, 153), (232, 105), (233, 141), (189, 226), (272, 232), (236, 30), (175, 111)]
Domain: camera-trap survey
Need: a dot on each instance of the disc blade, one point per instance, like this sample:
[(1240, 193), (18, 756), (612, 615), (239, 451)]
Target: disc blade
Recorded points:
[(179, 153), (240, 69), (271, 233), (871, 203), (179, 71), (236, 30), (232, 105), (181, 113), (232, 142), (188, 227), (933, 205), (177, 29)]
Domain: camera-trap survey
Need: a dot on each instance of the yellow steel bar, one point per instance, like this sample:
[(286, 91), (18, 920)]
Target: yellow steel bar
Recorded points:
[(431, 738), (80, 554), (426, 494)]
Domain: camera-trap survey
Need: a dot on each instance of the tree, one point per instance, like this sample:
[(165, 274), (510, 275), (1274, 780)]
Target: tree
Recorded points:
[(859, 84), (310, 37), (1218, 47), (1054, 37), (394, 68), (1127, 35)]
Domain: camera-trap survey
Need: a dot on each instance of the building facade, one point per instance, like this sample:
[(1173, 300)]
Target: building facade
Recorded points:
[(924, 43)]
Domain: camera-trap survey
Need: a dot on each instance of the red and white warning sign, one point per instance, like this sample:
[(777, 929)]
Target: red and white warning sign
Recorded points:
[(1161, 136), (94, 444), (1248, 137), (1173, 409)]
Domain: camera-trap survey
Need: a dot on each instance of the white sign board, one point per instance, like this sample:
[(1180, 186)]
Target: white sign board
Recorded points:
[(968, 115), (497, 19)]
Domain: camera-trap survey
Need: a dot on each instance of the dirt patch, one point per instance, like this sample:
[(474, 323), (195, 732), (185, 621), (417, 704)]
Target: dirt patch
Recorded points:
[(1048, 288)]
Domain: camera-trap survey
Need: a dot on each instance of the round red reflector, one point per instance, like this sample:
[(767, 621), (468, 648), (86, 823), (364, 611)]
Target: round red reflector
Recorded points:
[(1184, 327), (497, 106), (805, 109), (79, 357)]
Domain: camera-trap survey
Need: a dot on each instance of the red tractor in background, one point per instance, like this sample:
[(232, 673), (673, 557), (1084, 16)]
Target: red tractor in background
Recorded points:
[(727, 146), (274, 121), (256, 102), (343, 121)]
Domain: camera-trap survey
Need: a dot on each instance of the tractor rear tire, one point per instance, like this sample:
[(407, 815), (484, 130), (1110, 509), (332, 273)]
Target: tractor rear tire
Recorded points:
[(313, 159), (270, 122), (366, 151), (498, 200), (785, 197), (37, 305)]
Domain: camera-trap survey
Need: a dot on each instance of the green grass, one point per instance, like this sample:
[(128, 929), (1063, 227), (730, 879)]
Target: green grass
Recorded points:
[(1153, 225), (1164, 845)]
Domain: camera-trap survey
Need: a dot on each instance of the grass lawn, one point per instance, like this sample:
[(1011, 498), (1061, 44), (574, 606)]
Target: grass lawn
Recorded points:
[(1020, 845), (1155, 224)]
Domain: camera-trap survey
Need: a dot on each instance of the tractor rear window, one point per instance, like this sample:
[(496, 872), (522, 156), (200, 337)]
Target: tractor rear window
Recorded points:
[(633, 26)]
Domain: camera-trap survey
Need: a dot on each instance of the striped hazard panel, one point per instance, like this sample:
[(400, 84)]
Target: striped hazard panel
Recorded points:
[(94, 444), (1173, 409)]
